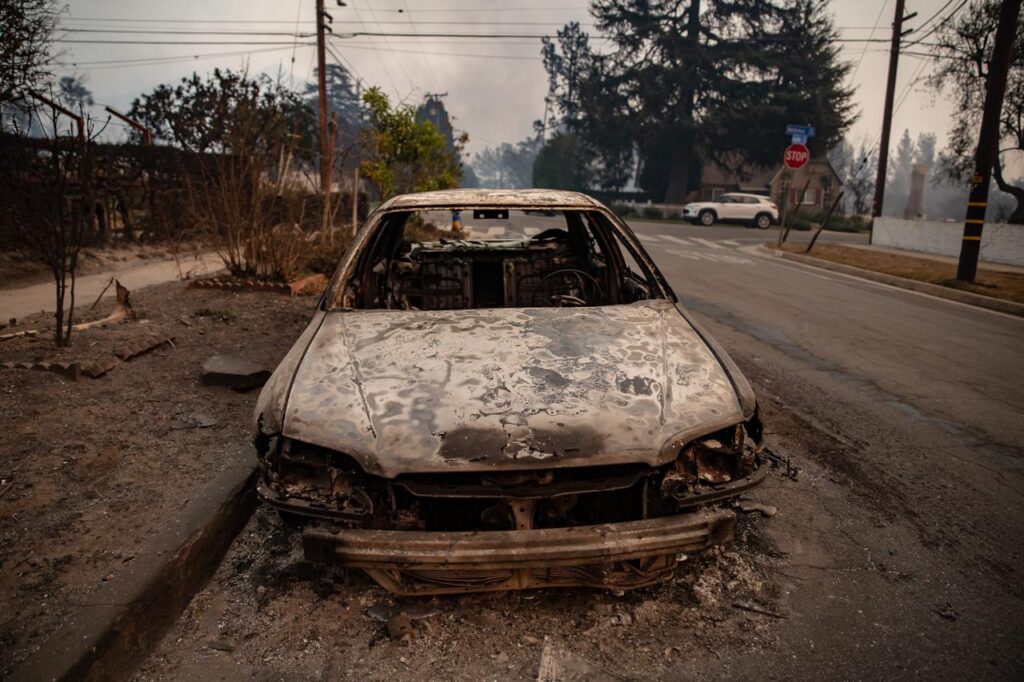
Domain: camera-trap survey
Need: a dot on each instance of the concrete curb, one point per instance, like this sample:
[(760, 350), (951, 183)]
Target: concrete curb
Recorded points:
[(108, 636), (998, 304)]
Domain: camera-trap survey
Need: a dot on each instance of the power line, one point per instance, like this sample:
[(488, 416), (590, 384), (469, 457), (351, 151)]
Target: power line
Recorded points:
[(870, 35), (380, 59), (148, 61), (173, 42), (430, 67), (939, 25), (298, 16), (401, 66), (345, 62), (188, 32), (937, 13), (285, 20), (377, 48), (404, 34)]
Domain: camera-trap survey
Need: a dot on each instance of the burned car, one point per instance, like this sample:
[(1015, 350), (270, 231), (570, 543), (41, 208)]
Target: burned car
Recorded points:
[(518, 404)]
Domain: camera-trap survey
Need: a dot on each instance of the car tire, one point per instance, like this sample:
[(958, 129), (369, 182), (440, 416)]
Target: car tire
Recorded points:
[(763, 221), (707, 218)]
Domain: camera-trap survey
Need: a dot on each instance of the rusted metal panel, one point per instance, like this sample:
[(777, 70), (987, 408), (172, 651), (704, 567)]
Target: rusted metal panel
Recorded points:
[(471, 390), (517, 549)]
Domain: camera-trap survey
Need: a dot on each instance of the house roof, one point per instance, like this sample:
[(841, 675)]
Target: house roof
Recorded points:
[(815, 163)]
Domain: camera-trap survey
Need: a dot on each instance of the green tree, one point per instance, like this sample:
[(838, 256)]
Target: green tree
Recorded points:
[(506, 165), (687, 81), (342, 97), (861, 179), (901, 169), (404, 154), (25, 45), (558, 164), (568, 61), (205, 114), (926, 149), (964, 47)]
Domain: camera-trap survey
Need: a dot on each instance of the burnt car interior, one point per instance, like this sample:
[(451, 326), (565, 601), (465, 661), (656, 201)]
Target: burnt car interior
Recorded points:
[(499, 259)]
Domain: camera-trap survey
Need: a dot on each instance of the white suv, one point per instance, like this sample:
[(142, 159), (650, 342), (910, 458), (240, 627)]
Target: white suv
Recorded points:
[(752, 209)]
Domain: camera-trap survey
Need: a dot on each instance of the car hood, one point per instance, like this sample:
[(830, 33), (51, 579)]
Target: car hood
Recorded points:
[(473, 390)]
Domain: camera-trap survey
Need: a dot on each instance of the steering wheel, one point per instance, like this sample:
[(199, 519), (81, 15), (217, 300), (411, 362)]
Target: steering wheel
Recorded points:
[(586, 293)]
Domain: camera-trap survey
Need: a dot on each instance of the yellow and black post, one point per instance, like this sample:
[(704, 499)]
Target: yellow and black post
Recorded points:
[(988, 140)]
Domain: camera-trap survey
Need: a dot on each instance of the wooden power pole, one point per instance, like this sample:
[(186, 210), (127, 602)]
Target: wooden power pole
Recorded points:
[(321, 78), (988, 140), (890, 94)]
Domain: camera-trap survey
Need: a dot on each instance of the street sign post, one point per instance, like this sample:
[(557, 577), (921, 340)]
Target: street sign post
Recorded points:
[(796, 156)]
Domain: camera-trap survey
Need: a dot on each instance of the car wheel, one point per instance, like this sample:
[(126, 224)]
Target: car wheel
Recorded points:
[(763, 221), (707, 218)]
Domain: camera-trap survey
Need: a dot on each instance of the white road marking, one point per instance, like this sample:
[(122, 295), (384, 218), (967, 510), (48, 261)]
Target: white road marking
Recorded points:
[(677, 240), (648, 238), (495, 231), (707, 242), (530, 231), (713, 257)]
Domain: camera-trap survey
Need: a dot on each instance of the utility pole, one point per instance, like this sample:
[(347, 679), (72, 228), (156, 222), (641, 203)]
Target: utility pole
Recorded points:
[(890, 94), (321, 77), (988, 140)]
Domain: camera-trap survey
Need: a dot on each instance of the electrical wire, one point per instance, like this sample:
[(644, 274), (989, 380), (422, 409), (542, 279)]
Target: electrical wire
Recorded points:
[(356, 46), (380, 60), (939, 25), (172, 42), (298, 15), (870, 35), (171, 59), (430, 67), (401, 66)]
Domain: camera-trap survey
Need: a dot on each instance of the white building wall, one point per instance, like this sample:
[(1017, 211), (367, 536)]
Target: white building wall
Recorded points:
[(1000, 243)]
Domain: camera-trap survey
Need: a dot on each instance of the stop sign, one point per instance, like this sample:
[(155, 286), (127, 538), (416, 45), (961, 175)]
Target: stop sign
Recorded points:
[(796, 156)]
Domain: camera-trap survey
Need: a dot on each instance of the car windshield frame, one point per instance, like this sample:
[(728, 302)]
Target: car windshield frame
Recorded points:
[(331, 300)]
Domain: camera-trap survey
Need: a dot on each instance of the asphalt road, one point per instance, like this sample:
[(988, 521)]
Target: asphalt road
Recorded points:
[(901, 539), (897, 549)]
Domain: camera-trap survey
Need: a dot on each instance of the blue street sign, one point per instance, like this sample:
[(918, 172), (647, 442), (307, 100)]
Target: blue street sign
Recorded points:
[(799, 139), (806, 131)]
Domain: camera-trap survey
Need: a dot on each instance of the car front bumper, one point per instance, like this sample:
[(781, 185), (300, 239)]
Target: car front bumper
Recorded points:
[(615, 556)]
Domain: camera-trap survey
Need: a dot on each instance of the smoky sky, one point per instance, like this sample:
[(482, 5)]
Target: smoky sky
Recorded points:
[(495, 87)]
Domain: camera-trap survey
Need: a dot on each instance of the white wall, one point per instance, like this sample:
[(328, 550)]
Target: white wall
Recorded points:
[(1000, 243)]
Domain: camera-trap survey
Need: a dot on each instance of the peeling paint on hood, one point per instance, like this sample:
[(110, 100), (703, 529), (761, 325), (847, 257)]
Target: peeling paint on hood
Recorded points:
[(475, 390)]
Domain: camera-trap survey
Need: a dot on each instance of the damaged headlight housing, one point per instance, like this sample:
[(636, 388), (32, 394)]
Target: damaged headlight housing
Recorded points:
[(713, 460), (316, 475)]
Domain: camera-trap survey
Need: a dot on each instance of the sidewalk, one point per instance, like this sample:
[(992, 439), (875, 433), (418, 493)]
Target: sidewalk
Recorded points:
[(36, 298), (949, 260)]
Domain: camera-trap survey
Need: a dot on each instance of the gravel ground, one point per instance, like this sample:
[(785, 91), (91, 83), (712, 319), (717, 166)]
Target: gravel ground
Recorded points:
[(90, 469), (269, 615)]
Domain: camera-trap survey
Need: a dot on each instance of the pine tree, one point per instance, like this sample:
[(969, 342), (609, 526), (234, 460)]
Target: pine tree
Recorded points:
[(697, 80), (903, 163)]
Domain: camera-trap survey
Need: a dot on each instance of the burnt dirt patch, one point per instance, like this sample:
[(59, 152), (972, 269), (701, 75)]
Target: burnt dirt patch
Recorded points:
[(268, 613), (93, 468)]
